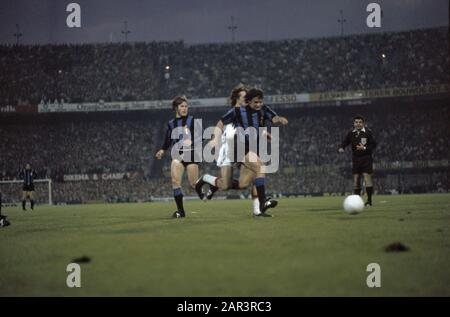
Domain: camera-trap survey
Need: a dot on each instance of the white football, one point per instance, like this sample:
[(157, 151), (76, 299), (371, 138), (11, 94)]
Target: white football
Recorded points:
[(353, 204)]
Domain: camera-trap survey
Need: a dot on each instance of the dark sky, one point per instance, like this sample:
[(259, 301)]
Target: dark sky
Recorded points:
[(200, 21)]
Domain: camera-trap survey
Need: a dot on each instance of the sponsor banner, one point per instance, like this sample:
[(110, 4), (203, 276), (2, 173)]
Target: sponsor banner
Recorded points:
[(158, 104), (283, 99), (412, 164), (269, 99), (19, 109), (209, 102), (7, 109), (380, 93), (382, 165), (95, 177), (102, 106)]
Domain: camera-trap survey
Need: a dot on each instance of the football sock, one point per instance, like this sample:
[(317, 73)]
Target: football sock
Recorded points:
[(211, 180), (23, 204), (178, 195), (261, 190), (357, 191), (256, 210), (32, 204), (369, 191)]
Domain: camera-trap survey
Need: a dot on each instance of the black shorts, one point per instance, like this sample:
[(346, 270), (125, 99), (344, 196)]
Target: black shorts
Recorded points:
[(362, 164), (188, 163), (28, 188), (189, 157)]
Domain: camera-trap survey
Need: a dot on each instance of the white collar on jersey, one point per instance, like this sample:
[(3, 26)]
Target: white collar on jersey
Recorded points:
[(363, 129)]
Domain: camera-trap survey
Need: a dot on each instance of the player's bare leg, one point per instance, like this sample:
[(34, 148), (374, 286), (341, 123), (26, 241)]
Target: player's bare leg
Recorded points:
[(192, 174), (31, 196), (357, 184), (224, 182), (369, 187), (247, 175), (253, 163), (176, 173), (226, 173)]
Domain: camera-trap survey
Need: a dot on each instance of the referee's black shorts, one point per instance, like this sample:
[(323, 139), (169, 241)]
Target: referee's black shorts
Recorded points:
[(28, 188), (362, 164)]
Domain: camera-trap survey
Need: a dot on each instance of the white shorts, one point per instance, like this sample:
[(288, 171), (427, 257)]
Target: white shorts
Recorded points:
[(225, 155)]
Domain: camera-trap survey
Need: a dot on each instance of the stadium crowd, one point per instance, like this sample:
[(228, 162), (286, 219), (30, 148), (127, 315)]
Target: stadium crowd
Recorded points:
[(410, 135), (160, 70)]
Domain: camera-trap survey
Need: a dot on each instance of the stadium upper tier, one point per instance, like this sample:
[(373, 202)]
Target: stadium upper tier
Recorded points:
[(160, 70)]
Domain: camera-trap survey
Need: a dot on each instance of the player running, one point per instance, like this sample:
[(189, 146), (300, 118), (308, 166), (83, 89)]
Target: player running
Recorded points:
[(182, 126), (225, 160), (255, 115)]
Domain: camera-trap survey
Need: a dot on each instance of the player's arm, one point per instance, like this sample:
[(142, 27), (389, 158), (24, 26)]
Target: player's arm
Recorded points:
[(227, 118), (273, 117), (218, 130), (267, 132), (280, 120), (166, 145), (345, 142)]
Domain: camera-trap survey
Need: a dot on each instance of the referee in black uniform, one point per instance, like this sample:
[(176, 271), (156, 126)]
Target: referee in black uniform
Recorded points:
[(363, 143), (27, 175)]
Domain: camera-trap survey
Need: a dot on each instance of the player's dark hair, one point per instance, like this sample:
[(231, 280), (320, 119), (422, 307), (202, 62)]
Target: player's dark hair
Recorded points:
[(234, 96), (358, 117), (178, 100), (253, 93)]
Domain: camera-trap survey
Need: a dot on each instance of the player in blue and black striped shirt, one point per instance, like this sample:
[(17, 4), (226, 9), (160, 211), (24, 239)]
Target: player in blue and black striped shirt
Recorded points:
[(180, 132), (255, 114), (27, 175)]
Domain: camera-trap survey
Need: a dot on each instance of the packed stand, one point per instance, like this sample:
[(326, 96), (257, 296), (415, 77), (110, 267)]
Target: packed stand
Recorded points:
[(160, 70)]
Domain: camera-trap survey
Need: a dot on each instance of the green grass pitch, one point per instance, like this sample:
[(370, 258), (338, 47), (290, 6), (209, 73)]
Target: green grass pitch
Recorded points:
[(309, 248)]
